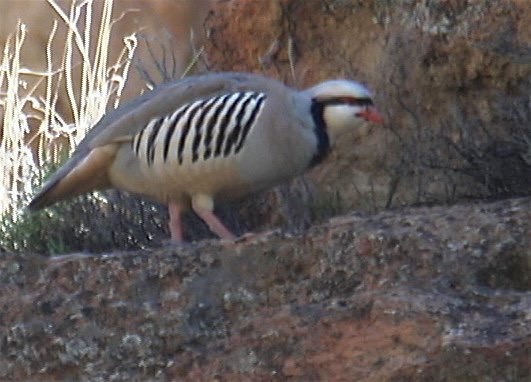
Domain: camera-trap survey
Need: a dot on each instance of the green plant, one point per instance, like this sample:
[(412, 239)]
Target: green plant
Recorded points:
[(31, 233)]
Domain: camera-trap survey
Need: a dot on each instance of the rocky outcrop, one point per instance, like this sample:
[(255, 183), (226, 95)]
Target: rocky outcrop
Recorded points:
[(408, 294), (439, 293)]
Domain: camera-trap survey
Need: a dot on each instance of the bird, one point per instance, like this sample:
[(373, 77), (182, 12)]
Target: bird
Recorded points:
[(192, 142)]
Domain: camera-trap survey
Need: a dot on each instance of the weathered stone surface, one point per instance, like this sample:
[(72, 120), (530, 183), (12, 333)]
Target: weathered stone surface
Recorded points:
[(416, 294), (438, 293)]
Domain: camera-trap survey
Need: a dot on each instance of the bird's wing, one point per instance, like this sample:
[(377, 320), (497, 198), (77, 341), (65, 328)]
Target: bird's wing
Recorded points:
[(123, 123)]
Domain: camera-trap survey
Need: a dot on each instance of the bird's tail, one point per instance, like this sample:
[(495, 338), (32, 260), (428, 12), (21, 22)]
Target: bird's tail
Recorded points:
[(81, 174)]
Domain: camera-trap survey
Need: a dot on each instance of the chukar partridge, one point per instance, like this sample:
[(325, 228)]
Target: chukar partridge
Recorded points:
[(209, 137)]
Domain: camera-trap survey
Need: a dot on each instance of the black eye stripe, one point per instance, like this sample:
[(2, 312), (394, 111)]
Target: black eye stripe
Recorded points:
[(346, 101)]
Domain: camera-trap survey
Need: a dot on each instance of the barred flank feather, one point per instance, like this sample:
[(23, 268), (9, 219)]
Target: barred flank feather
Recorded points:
[(203, 129)]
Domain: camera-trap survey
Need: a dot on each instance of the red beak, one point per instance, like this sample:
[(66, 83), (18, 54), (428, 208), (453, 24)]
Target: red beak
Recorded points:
[(372, 115)]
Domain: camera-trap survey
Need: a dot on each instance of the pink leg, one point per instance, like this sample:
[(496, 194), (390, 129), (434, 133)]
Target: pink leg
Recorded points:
[(214, 223), (175, 223)]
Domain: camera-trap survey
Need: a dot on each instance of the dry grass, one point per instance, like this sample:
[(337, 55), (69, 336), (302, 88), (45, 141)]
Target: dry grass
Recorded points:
[(35, 137), (33, 131)]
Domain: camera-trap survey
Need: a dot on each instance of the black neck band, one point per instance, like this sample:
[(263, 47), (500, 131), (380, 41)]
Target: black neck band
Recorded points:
[(323, 141)]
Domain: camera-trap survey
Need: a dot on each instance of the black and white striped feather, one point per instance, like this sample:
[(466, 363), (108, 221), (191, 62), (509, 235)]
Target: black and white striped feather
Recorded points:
[(209, 128)]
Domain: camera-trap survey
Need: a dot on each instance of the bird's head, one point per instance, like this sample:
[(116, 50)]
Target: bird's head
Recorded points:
[(342, 105)]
